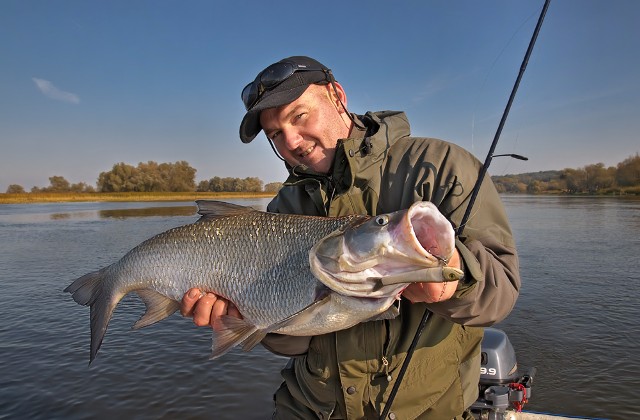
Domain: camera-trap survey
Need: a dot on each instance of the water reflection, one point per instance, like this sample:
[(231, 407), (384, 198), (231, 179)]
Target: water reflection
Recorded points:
[(60, 216), (120, 213), (72, 215), (148, 212), (22, 214)]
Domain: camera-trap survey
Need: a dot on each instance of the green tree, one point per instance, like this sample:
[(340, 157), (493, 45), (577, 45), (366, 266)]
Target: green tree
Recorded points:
[(120, 178), (535, 187), (273, 187), (229, 184), (216, 184), (598, 177), (179, 176), (148, 177), (15, 189), (575, 179), (81, 187), (557, 185), (628, 172), (203, 186), (58, 184), (252, 184)]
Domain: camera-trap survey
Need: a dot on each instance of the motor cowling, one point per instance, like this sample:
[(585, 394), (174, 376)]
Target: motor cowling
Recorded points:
[(502, 386)]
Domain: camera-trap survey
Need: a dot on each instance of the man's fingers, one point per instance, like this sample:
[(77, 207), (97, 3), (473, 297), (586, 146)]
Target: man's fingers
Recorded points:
[(188, 301), (219, 308), (207, 308), (202, 312)]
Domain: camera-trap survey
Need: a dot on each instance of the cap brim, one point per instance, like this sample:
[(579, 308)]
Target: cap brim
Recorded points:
[(250, 126)]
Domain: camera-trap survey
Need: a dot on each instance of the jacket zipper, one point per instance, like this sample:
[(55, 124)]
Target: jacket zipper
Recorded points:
[(331, 190)]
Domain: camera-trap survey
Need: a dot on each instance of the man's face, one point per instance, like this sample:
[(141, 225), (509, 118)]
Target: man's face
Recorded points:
[(306, 130)]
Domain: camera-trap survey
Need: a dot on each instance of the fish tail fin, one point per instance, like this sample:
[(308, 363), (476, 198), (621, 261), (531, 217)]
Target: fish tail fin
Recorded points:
[(89, 290), (158, 307)]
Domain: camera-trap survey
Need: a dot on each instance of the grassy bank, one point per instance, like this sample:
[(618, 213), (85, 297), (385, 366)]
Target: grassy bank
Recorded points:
[(125, 196)]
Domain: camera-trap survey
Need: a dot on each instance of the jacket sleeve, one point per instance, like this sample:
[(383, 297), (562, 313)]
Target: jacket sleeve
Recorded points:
[(492, 282), (286, 345)]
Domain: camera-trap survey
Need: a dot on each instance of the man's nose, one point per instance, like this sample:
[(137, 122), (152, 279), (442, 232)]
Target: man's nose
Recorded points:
[(292, 139)]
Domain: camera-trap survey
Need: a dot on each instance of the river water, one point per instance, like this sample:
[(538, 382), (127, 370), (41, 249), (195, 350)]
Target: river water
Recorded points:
[(575, 320)]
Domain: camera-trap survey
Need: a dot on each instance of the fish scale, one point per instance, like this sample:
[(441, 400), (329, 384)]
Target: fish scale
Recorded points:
[(257, 282)]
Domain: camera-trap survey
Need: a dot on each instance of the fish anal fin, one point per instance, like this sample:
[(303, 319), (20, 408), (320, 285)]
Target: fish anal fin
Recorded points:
[(230, 332), (158, 307), (253, 340)]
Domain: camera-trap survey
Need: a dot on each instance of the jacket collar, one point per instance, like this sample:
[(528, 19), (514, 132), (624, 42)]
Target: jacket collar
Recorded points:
[(360, 150)]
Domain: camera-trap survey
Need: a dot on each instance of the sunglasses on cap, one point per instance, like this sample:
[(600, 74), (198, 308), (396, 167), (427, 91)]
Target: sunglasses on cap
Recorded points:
[(271, 77)]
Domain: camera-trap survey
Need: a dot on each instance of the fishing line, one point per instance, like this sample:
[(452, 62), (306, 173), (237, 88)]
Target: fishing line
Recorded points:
[(474, 193), (484, 82), (505, 114)]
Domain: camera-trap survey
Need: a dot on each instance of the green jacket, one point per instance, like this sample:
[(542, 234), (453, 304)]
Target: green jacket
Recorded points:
[(345, 374)]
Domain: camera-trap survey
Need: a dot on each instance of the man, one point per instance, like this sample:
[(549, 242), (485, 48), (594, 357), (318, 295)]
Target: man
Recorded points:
[(341, 163)]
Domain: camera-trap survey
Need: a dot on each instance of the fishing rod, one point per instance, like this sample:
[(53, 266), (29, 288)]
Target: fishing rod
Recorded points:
[(472, 199)]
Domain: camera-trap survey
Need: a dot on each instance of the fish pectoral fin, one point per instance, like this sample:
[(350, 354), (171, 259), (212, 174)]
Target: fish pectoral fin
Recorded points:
[(158, 307), (305, 316), (390, 313), (233, 331), (230, 332), (301, 317)]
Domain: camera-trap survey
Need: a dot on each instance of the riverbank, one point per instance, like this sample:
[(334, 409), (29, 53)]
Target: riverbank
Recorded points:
[(24, 198)]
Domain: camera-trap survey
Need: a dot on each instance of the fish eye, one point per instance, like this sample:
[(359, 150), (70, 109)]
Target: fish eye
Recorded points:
[(382, 220)]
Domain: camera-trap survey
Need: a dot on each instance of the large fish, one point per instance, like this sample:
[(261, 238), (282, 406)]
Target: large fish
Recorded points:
[(287, 274)]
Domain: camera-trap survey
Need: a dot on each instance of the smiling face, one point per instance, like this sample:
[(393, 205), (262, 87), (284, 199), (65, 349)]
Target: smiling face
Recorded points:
[(306, 130)]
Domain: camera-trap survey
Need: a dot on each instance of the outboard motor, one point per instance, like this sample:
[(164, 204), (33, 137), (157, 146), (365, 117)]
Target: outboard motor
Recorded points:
[(502, 388)]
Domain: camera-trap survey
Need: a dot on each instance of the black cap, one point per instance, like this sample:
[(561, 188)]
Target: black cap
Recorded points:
[(284, 93)]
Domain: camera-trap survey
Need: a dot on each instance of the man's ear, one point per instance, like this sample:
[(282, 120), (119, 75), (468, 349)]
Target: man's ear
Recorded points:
[(338, 96)]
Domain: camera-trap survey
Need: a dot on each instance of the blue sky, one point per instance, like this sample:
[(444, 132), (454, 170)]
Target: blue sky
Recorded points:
[(86, 84)]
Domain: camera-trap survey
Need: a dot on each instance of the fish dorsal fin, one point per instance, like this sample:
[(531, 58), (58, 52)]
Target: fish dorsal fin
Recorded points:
[(212, 209)]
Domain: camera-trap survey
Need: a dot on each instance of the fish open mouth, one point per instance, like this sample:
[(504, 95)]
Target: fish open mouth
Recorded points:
[(409, 243), (426, 234)]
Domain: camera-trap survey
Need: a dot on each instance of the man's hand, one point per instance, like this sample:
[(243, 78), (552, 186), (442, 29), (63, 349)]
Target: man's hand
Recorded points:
[(434, 292), (206, 308)]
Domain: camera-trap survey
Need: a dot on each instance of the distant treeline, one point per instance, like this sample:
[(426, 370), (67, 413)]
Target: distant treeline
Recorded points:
[(180, 177), (591, 179), (249, 184), (152, 177)]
